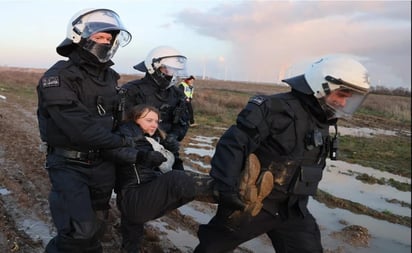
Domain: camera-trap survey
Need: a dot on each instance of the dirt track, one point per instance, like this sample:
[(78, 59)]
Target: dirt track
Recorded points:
[(24, 186), (22, 174)]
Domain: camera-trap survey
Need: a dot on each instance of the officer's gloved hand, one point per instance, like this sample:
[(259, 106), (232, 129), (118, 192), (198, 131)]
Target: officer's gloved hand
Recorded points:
[(150, 159), (171, 143), (230, 200)]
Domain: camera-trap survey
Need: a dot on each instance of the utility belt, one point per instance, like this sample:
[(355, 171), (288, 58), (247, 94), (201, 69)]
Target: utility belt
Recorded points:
[(88, 156)]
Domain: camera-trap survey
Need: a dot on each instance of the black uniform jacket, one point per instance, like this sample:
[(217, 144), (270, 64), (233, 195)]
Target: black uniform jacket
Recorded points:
[(76, 99), (279, 129)]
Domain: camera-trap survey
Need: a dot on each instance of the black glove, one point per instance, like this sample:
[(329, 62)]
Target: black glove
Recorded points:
[(231, 200), (171, 143), (150, 159)]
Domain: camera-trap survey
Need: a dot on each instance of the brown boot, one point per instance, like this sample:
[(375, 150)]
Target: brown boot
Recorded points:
[(265, 187), (248, 190), (254, 187)]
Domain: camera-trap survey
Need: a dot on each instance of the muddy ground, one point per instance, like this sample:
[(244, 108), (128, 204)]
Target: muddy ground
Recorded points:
[(24, 187)]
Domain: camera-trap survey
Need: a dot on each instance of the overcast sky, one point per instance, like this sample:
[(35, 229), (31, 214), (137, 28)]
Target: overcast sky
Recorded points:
[(230, 40)]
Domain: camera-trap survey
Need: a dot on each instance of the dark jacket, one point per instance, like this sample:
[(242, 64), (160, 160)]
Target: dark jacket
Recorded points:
[(280, 130), (76, 99), (170, 102), (129, 174)]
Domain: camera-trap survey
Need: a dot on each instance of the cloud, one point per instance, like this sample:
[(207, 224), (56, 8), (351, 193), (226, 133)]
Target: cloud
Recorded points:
[(266, 36)]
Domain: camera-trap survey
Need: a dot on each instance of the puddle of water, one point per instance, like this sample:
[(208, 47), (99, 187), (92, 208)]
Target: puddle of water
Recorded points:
[(260, 244), (37, 230), (344, 166), (202, 146), (386, 236), (4, 191), (362, 131), (201, 217), (204, 139), (201, 164), (372, 195), (181, 239), (34, 227), (199, 151)]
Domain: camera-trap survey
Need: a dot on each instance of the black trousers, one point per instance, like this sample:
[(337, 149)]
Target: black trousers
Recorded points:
[(293, 235), (80, 194), (155, 198), (191, 114)]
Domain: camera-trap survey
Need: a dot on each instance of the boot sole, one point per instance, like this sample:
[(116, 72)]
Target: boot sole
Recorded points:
[(265, 187), (249, 177)]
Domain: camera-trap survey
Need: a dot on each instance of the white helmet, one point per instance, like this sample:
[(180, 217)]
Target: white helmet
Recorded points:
[(338, 78), (165, 64), (90, 21), (340, 84)]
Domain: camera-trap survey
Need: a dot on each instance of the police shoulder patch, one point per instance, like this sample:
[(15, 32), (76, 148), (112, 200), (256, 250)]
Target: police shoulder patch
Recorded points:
[(50, 81), (258, 100)]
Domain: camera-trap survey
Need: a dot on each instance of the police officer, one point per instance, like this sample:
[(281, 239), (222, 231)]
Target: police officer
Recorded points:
[(162, 66), (187, 87), (76, 105), (289, 133)]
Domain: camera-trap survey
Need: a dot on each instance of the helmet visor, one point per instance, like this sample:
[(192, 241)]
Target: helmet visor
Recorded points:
[(101, 20), (173, 66), (343, 102)]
